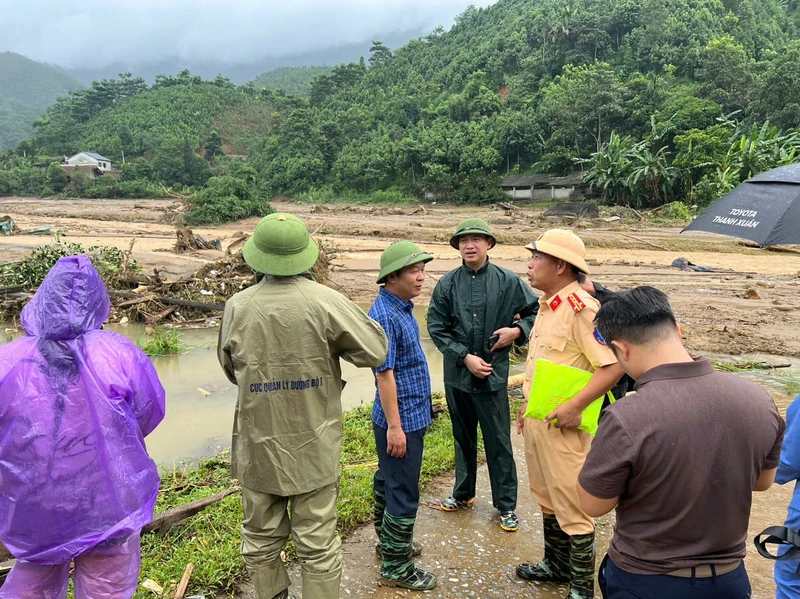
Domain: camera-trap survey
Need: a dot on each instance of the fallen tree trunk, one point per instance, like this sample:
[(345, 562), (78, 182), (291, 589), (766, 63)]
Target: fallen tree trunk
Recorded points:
[(163, 521), (12, 289)]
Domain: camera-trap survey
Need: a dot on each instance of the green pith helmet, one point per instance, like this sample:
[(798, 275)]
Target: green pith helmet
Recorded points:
[(473, 226), (280, 246), (399, 255)]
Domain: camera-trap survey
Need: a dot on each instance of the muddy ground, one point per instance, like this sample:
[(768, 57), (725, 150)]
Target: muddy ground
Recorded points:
[(748, 307), (715, 309), (473, 558)]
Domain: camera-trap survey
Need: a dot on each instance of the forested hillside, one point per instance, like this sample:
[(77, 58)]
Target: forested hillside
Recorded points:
[(656, 100), (27, 88), (292, 80)]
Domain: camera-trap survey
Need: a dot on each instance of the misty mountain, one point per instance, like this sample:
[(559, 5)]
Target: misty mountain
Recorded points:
[(241, 72), (27, 88)]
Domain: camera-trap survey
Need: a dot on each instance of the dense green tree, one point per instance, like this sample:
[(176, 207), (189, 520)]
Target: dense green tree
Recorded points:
[(727, 74), (581, 106), (57, 177), (213, 146), (176, 162), (379, 54), (777, 98)]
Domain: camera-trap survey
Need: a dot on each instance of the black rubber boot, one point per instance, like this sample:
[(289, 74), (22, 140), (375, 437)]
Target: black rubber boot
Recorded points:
[(555, 566), (397, 567)]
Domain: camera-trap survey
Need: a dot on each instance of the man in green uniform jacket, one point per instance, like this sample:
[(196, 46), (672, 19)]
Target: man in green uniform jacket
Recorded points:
[(280, 341), (471, 320)]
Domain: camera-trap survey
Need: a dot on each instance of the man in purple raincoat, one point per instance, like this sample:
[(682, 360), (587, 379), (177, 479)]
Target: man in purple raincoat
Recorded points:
[(76, 482)]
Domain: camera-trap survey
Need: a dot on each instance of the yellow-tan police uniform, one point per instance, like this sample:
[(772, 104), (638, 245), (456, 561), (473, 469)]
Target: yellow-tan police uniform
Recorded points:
[(564, 333)]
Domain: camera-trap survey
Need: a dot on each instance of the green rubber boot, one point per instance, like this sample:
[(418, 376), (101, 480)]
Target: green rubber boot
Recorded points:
[(379, 502), (397, 567), (555, 566), (581, 566)]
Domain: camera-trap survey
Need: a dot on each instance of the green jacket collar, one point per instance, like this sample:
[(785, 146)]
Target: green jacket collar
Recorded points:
[(481, 270)]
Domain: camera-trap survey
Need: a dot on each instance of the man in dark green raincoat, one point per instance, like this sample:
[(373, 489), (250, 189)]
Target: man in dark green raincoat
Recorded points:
[(473, 321)]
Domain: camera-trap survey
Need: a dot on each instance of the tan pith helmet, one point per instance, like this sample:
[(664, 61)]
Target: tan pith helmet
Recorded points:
[(564, 245)]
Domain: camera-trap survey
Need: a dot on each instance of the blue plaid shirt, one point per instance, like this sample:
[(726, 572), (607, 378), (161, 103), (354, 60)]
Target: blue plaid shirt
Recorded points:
[(406, 359)]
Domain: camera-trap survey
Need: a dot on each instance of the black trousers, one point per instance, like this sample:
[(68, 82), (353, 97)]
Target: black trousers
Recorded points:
[(491, 411), (398, 478)]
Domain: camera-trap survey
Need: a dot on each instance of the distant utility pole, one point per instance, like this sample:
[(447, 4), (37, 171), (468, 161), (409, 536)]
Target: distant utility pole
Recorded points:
[(123, 156)]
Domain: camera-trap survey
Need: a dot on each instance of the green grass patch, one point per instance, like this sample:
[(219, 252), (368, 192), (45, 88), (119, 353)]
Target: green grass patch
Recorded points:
[(786, 381), (162, 343), (327, 195), (210, 540)]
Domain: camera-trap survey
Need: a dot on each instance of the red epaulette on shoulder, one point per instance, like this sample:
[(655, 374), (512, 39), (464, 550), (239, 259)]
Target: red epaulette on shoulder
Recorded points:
[(576, 303)]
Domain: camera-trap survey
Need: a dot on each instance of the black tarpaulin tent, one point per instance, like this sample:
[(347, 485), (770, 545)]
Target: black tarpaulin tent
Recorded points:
[(764, 209)]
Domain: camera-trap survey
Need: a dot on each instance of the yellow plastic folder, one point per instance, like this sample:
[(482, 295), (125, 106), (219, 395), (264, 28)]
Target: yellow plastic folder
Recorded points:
[(554, 385)]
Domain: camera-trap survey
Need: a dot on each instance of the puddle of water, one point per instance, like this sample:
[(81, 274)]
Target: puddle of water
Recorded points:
[(197, 425)]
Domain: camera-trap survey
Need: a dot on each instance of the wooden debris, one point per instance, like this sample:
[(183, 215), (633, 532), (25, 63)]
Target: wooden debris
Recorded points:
[(154, 318), (12, 289), (516, 380), (418, 210), (166, 520), (640, 240), (238, 239), (133, 302), (170, 301), (187, 573), (187, 240)]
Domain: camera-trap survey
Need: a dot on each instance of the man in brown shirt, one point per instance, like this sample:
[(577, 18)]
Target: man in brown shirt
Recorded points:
[(679, 461)]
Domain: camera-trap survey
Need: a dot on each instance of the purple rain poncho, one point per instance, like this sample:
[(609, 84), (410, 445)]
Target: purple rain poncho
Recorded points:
[(75, 405)]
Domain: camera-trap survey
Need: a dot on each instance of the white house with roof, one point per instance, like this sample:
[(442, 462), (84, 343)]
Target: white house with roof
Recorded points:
[(89, 159)]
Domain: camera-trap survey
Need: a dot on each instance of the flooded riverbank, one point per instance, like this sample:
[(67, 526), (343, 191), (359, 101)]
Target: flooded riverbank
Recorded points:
[(201, 401)]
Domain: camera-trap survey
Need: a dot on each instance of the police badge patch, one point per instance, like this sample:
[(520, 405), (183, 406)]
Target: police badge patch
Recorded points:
[(598, 337)]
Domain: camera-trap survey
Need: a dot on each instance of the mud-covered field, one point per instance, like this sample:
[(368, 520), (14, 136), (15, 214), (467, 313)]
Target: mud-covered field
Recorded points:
[(749, 306)]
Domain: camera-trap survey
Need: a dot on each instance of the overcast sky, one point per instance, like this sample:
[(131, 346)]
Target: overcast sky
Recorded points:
[(91, 33)]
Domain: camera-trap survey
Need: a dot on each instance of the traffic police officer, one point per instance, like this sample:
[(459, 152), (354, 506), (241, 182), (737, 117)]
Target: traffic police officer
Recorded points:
[(280, 341), (555, 450)]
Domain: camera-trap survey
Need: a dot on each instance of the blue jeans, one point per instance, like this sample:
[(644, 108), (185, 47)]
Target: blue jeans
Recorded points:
[(616, 583)]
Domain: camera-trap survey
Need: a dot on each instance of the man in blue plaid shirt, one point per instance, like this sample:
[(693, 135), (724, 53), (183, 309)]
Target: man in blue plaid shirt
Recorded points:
[(400, 417)]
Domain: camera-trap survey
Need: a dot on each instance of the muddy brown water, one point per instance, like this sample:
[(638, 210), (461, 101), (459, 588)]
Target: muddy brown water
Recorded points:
[(200, 400)]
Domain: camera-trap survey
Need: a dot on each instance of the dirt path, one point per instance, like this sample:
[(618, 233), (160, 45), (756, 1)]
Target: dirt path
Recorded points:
[(473, 557)]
